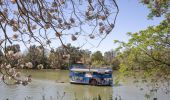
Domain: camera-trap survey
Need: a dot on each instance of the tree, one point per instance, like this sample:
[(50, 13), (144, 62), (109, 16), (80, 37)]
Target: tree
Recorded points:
[(97, 56), (12, 55), (109, 56), (147, 51), (60, 58), (14, 48), (75, 53), (56, 58), (36, 55), (158, 8), (115, 64), (86, 55)]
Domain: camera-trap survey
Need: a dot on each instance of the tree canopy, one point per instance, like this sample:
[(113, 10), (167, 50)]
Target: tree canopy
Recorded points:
[(147, 53), (158, 8)]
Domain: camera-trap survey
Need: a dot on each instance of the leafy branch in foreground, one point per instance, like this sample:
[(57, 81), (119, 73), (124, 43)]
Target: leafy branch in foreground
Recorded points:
[(147, 53), (158, 8)]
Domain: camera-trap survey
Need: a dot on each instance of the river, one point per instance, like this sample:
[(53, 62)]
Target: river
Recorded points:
[(46, 85)]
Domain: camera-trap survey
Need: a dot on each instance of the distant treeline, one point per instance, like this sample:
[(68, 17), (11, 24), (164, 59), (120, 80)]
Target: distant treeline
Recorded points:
[(38, 57)]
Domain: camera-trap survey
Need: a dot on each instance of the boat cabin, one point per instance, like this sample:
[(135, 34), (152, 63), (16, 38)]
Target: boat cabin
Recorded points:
[(91, 76)]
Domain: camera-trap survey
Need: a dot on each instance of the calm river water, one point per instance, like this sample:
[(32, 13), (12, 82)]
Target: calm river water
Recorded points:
[(46, 86)]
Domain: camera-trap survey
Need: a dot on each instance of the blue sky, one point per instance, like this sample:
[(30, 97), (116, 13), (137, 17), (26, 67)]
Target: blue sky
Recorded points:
[(132, 18)]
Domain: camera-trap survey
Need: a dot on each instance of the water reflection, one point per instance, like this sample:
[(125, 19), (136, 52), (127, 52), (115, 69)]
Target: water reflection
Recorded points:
[(87, 92), (45, 85)]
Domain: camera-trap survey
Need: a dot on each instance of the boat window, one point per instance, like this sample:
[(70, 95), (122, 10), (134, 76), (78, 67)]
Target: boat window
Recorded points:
[(88, 75), (79, 72)]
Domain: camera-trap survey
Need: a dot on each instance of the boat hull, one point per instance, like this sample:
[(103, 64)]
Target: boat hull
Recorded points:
[(81, 83)]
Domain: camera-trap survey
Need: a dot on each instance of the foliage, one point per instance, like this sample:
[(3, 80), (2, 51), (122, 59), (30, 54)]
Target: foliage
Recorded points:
[(109, 56), (115, 63), (98, 63), (15, 48), (86, 55), (158, 8), (147, 51), (36, 55), (12, 55), (61, 59), (97, 56)]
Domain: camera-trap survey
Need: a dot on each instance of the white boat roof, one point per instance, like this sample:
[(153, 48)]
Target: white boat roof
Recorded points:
[(90, 70)]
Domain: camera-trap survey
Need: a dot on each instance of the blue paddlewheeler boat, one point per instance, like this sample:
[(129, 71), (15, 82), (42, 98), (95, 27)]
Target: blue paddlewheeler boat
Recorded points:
[(79, 74)]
